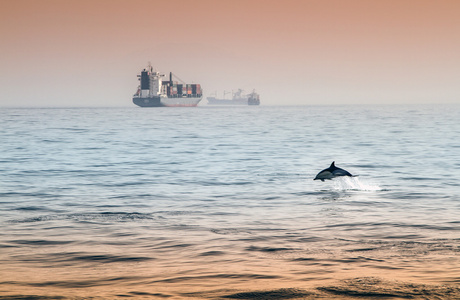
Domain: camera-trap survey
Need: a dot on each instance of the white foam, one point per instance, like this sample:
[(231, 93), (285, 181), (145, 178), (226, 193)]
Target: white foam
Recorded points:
[(354, 183)]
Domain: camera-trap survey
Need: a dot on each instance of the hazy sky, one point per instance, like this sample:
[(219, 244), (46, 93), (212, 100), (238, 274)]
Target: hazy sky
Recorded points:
[(88, 53)]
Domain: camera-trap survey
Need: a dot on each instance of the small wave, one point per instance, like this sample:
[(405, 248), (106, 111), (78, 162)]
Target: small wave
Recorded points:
[(289, 293), (111, 258), (222, 183), (354, 183), (376, 288), (217, 276), (212, 253), (268, 249), (226, 231), (78, 283), (31, 208), (40, 242), (157, 295), (82, 217)]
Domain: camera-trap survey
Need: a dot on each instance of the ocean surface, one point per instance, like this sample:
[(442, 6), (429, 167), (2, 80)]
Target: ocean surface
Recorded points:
[(212, 202)]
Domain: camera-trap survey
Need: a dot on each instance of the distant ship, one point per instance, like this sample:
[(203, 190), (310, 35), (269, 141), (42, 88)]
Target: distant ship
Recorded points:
[(238, 98), (155, 92)]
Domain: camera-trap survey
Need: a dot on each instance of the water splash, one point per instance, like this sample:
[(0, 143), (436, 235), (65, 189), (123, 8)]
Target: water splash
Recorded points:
[(354, 183)]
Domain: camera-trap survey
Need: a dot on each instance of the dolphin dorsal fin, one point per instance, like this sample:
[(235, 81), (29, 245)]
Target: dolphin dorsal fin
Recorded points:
[(332, 165)]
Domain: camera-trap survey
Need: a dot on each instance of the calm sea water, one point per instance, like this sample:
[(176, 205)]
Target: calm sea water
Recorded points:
[(163, 201)]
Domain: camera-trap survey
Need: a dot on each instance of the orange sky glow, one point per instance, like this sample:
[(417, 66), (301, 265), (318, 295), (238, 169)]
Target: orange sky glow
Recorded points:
[(293, 52)]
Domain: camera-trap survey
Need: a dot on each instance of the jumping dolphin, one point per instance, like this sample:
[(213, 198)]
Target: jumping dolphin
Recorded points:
[(332, 172)]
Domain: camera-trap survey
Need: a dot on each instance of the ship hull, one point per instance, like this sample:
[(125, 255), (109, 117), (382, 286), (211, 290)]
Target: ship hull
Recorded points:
[(147, 102), (166, 101), (180, 101)]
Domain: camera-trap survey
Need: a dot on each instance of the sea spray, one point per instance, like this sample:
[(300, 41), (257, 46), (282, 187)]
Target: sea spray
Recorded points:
[(354, 183)]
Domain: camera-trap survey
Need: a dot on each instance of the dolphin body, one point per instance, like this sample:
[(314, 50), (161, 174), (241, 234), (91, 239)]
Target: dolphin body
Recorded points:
[(332, 172)]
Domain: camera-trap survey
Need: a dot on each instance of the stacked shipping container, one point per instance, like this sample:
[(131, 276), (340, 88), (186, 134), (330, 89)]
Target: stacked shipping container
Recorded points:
[(182, 90)]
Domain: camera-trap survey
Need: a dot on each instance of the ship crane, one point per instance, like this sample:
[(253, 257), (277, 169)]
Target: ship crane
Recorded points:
[(175, 76)]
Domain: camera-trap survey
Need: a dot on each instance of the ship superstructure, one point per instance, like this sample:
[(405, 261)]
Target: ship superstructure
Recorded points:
[(238, 98), (154, 91)]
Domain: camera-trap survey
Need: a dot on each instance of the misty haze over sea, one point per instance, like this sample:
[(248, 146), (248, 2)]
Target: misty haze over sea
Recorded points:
[(213, 202)]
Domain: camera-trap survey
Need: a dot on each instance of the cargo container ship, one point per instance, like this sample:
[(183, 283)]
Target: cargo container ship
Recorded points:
[(153, 91), (238, 98)]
